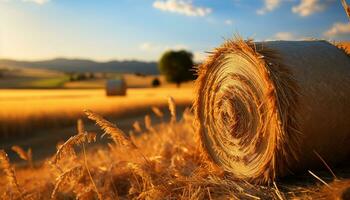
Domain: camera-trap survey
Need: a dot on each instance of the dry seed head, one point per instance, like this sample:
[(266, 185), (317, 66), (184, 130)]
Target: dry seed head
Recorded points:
[(30, 157), (137, 127), (9, 171), (346, 7), (148, 123), (172, 108), (118, 136), (157, 111), (67, 147), (66, 178), (80, 126), (27, 156), (20, 152)]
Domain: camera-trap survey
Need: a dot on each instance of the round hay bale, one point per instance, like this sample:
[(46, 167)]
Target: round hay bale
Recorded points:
[(264, 110), (116, 87)]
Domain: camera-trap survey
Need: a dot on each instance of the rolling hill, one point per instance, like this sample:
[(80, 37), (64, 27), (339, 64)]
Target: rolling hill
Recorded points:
[(81, 65)]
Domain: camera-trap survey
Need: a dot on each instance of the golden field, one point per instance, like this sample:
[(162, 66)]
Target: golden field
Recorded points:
[(25, 111), (160, 162)]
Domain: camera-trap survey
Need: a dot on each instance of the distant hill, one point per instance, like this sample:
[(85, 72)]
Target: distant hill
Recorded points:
[(80, 65)]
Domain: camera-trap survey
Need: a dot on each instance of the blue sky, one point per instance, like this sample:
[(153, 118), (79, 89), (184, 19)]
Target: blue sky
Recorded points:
[(143, 29)]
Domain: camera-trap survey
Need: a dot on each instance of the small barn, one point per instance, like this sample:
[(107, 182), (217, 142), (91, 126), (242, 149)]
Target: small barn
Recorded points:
[(116, 87)]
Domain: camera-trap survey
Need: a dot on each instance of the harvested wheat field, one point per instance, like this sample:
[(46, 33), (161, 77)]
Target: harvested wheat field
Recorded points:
[(123, 100), (259, 115), (26, 111), (158, 162)]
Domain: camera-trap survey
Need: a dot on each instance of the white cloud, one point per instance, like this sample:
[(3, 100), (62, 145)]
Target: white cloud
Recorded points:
[(147, 46), (40, 2), (308, 7), (228, 22), (284, 36), (199, 56), (338, 29), (184, 7), (37, 1), (269, 5)]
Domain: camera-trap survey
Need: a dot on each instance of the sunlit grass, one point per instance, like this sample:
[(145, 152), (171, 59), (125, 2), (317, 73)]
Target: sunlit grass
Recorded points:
[(25, 111), (164, 163)]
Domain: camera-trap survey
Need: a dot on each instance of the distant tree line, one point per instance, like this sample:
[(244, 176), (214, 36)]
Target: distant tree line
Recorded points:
[(75, 76), (3, 71)]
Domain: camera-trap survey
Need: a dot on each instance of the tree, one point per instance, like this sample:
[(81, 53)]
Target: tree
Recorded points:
[(91, 75), (155, 82), (177, 66)]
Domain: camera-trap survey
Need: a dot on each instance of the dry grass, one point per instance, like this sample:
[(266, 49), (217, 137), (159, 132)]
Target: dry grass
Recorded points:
[(346, 8), (25, 155), (169, 167), (10, 175), (345, 46), (132, 81), (26, 111)]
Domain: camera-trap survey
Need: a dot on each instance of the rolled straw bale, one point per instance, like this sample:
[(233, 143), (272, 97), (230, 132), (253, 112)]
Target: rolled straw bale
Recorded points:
[(264, 110), (116, 87)]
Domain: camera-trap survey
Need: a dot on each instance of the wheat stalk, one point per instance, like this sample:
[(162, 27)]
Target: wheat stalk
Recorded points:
[(148, 123), (27, 156), (67, 147), (20, 152), (172, 109), (30, 158), (117, 135), (9, 172), (67, 177), (346, 8), (137, 127), (158, 112), (81, 130), (80, 126)]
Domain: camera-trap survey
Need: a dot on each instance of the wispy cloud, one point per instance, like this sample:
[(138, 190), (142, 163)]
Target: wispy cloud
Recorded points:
[(269, 5), (37, 1), (308, 7), (338, 29), (40, 2), (184, 7), (228, 22), (284, 36), (199, 56)]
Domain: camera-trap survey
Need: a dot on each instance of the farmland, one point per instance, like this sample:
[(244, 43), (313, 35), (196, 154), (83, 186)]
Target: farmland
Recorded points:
[(24, 111), (166, 152), (175, 99)]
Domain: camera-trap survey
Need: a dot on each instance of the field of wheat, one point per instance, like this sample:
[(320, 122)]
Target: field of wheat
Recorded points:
[(155, 162), (26, 111), (262, 120)]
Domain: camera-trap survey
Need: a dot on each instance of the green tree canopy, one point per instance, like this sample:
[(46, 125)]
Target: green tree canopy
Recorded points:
[(177, 66)]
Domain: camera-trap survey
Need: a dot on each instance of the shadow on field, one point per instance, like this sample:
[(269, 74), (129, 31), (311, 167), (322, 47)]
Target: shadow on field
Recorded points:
[(43, 143)]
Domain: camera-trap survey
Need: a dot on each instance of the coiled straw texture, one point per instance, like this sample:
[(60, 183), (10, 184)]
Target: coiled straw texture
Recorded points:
[(263, 110)]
